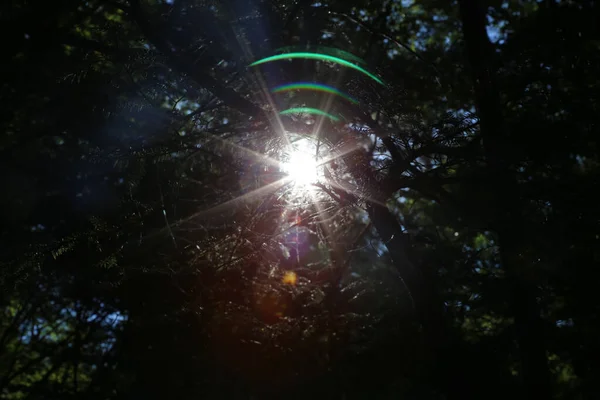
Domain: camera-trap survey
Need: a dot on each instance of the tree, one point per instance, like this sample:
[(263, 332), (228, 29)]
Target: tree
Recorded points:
[(147, 185)]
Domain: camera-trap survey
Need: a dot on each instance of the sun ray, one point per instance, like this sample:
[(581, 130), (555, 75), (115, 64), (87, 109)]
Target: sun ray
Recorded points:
[(348, 149), (261, 191), (342, 153), (317, 131), (253, 154), (277, 126), (354, 192)]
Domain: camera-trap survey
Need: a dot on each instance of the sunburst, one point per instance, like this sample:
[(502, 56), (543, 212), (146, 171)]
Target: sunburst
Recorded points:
[(301, 166)]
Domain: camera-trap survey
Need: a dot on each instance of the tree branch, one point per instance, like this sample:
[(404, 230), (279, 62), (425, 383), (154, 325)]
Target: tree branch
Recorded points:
[(171, 48)]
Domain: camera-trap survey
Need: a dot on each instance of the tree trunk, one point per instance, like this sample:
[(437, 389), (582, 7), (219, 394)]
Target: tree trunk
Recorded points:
[(508, 222), (451, 375), (450, 371)]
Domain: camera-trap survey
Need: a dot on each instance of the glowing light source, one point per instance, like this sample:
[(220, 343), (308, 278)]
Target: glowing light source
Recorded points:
[(321, 57), (301, 168), (309, 110), (313, 86)]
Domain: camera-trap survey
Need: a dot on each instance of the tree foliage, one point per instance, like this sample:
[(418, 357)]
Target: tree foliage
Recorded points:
[(153, 245)]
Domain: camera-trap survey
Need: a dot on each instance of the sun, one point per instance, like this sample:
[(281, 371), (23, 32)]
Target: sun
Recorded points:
[(301, 168)]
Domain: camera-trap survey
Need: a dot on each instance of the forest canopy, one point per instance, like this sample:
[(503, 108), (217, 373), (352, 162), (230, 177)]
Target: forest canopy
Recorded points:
[(256, 199)]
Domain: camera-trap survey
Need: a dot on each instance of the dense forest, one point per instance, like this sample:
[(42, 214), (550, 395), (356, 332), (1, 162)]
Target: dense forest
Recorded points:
[(259, 199)]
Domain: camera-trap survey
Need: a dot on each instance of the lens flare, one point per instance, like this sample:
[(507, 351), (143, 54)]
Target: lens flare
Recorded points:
[(289, 278), (309, 110), (315, 87), (332, 51), (317, 56)]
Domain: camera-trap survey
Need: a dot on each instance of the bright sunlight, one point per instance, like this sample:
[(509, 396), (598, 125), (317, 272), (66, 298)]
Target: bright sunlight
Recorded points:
[(301, 168)]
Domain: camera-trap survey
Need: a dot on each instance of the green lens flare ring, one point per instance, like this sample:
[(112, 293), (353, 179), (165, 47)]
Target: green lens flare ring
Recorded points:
[(332, 51), (309, 110), (313, 86), (320, 57)]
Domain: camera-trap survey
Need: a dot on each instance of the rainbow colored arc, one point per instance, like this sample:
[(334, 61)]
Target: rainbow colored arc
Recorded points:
[(317, 86), (330, 51), (318, 56)]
